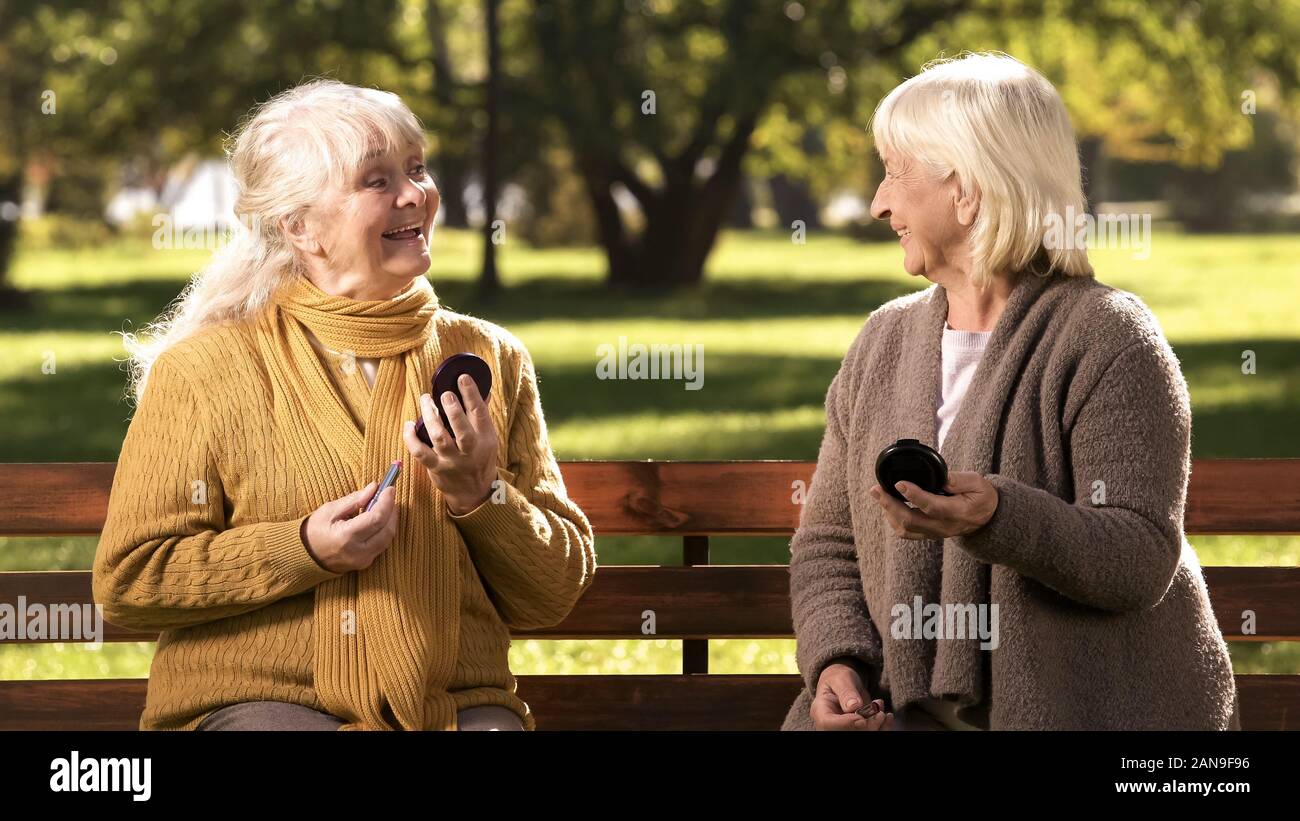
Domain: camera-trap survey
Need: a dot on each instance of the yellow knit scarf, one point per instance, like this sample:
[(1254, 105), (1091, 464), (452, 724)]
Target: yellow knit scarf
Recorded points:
[(385, 637)]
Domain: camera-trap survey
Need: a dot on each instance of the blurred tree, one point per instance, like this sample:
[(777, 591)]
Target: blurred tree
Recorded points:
[(1152, 82), (489, 282), (665, 104), (455, 100), (660, 100), (468, 98), (556, 211), (34, 40), (1220, 198), (153, 79), (664, 100)]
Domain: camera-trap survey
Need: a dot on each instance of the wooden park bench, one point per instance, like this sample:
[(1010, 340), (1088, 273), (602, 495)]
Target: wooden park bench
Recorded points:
[(694, 602)]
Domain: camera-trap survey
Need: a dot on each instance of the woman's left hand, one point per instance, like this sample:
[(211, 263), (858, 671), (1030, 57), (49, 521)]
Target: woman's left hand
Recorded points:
[(463, 468), (970, 507)]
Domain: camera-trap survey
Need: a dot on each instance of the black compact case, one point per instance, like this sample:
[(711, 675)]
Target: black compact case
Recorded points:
[(907, 460), (447, 378)]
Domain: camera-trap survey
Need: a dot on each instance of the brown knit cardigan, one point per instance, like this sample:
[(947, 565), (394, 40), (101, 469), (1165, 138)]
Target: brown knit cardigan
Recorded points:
[(1079, 415)]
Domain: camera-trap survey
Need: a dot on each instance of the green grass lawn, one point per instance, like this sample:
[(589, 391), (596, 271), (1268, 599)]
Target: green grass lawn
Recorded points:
[(774, 319)]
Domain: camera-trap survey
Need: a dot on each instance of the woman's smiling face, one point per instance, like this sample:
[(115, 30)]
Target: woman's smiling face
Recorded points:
[(927, 214), (373, 237)]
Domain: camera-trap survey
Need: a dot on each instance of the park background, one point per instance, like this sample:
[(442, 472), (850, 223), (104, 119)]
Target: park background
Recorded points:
[(671, 172)]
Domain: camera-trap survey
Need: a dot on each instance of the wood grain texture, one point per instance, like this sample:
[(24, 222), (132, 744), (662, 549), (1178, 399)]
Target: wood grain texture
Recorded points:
[(692, 499), (1242, 496)]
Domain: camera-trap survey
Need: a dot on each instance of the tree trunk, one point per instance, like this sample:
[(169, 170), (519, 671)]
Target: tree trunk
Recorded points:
[(610, 232), (741, 213), (681, 227), (682, 220), (1090, 159), (11, 188), (452, 176), (489, 282), (792, 201), (453, 165)]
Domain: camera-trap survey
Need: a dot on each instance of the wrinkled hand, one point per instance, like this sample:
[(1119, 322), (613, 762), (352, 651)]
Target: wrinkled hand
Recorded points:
[(840, 694), (341, 538), (972, 504), (463, 468)]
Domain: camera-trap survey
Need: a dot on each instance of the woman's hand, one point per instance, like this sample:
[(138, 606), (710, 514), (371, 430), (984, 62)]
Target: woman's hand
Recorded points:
[(465, 467), (840, 694), (341, 538), (972, 504)]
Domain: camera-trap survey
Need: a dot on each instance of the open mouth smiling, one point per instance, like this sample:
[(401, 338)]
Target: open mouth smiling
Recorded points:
[(405, 233)]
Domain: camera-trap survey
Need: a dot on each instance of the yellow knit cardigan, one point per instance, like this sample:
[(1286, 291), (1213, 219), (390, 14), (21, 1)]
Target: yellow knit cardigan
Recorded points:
[(202, 540)]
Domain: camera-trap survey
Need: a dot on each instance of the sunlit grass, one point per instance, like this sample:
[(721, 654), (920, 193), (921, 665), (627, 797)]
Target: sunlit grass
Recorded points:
[(60, 661), (766, 301), (537, 657), (774, 318)]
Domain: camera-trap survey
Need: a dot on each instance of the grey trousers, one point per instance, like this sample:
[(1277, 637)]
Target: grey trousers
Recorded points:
[(282, 715)]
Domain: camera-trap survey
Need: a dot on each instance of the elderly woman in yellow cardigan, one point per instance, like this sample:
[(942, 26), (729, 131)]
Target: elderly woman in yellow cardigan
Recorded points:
[(272, 398)]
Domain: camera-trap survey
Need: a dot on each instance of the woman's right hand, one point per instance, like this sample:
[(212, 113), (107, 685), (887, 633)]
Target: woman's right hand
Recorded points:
[(840, 694), (341, 539)]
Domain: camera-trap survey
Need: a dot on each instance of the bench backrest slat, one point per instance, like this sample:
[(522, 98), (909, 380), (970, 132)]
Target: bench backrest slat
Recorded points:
[(1244, 496), (721, 601)]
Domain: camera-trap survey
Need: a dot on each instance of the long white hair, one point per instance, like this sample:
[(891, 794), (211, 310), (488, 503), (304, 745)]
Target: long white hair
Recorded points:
[(286, 155)]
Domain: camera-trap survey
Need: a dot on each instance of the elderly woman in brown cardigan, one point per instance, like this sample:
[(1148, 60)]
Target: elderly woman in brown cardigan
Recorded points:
[(1053, 587)]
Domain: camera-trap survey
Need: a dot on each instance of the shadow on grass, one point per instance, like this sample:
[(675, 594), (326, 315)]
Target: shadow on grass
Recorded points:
[(729, 382), (558, 297), (1262, 420), (125, 306), (78, 414), (109, 307)]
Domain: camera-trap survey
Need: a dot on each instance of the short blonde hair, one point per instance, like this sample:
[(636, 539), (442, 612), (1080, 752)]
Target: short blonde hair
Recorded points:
[(1002, 128)]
